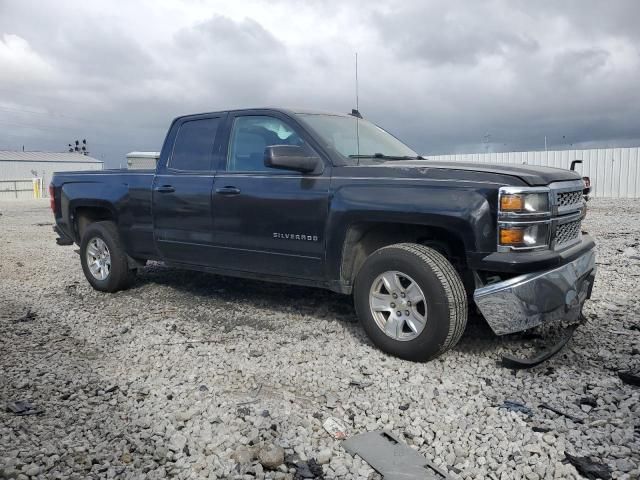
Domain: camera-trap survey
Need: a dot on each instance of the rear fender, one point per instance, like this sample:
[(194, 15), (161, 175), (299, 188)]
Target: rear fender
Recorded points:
[(105, 197)]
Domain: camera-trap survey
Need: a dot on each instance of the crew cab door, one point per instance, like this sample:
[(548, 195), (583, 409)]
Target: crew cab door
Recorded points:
[(182, 213), (266, 220)]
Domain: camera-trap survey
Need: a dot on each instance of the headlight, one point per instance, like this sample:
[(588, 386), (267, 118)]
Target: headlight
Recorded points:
[(516, 236), (524, 203), (524, 218)]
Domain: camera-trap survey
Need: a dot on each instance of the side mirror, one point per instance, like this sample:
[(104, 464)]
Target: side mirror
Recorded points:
[(290, 157)]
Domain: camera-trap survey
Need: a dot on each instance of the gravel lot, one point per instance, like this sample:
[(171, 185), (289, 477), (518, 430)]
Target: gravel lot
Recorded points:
[(190, 375)]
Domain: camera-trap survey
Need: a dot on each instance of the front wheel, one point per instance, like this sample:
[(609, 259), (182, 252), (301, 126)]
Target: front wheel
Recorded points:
[(104, 261), (411, 301)]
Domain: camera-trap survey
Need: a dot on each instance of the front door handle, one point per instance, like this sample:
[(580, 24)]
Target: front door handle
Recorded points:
[(228, 190), (165, 189)]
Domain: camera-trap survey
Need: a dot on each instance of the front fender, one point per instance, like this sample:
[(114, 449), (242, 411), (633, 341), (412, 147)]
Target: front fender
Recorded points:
[(465, 212)]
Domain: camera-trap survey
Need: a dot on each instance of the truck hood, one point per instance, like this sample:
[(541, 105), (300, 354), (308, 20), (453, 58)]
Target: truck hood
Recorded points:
[(530, 174)]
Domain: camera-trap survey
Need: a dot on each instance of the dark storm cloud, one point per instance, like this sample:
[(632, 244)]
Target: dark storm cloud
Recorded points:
[(99, 51), (573, 66), (232, 62), (617, 18), (513, 73), (247, 37), (445, 76), (450, 32)]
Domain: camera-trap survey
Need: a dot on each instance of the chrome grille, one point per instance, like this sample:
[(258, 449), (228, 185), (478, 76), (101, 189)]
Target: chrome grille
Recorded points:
[(568, 199), (567, 232)]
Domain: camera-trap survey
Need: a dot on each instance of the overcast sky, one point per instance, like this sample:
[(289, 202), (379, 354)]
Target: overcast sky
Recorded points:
[(445, 76)]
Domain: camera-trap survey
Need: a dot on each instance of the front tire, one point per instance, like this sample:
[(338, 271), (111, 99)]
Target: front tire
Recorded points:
[(411, 301), (104, 261)]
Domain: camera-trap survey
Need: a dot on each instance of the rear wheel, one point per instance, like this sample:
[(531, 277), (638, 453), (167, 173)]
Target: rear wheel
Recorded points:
[(104, 261), (411, 301)]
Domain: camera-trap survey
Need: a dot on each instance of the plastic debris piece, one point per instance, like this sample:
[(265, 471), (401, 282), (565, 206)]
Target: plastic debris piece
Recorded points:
[(22, 407), (589, 468), (310, 469), (335, 428), (541, 429), (511, 361), (630, 378), (359, 383), (27, 317), (516, 407), (590, 401), (561, 413), (390, 457)]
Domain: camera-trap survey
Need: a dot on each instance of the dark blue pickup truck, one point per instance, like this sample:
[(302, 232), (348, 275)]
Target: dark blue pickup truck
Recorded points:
[(334, 201)]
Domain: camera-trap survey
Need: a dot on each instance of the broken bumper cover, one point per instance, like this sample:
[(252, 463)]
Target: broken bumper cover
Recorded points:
[(531, 299)]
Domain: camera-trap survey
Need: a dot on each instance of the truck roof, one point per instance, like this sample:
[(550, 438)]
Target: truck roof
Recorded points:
[(285, 110)]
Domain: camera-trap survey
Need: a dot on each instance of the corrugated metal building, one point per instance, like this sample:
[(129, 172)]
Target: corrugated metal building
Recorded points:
[(614, 172), (142, 160), (19, 169)]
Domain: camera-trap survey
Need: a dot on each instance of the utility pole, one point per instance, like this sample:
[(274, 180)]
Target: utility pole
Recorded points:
[(545, 143), (485, 139)]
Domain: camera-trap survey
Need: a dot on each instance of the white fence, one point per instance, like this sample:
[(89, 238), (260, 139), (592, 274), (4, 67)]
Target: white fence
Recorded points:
[(22, 189), (614, 172)]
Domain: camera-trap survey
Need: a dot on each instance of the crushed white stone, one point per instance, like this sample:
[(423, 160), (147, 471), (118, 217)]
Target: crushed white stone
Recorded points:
[(192, 396)]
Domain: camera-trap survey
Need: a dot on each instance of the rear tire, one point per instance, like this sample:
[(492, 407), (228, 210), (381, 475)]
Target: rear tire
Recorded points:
[(103, 258), (411, 301)]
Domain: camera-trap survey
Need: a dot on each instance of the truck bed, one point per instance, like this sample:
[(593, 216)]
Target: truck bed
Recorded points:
[(126, 194)]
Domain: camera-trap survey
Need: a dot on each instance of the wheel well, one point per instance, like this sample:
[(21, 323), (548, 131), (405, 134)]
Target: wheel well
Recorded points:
[(365, 238), (83, 216)]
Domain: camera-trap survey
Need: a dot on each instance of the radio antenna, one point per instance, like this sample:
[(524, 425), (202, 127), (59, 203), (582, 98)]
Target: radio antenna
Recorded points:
[(358, 113), (357, 106)]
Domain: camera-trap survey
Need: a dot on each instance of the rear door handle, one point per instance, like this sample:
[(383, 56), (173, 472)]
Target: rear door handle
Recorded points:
[(228, 190), (165, 189)]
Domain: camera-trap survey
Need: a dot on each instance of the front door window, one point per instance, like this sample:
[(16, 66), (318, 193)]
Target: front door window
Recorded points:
[(251, 135)]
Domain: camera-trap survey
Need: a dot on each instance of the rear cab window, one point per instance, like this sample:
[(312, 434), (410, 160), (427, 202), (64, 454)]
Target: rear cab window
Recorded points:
[(193, 146)]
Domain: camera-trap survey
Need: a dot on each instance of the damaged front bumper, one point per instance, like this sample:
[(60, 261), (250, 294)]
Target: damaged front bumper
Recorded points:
[(528, 300)]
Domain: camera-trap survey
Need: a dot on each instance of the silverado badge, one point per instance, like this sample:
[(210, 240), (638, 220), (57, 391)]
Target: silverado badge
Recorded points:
[(295, 236)]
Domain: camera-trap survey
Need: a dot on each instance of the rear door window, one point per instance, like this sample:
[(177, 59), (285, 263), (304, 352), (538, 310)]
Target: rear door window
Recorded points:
[(193, 147)]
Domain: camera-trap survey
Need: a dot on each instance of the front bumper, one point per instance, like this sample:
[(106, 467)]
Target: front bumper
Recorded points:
[(531, 299)]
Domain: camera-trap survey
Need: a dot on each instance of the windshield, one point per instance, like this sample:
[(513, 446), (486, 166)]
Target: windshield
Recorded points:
[(342, 132)]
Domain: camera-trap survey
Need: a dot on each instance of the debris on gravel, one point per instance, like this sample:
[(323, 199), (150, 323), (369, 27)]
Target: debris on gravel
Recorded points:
[(630, 378), (335, 428), (516, 407), (22, 407), (118, 377), (561, 413), (589, 468), (27, 317)]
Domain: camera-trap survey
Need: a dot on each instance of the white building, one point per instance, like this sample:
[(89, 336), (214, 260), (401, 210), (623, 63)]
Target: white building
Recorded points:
[(25, 174), (614, 172), (142, 160)]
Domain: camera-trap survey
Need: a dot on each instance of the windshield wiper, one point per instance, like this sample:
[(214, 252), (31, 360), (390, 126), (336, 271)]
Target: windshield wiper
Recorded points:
[(388, 157)]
